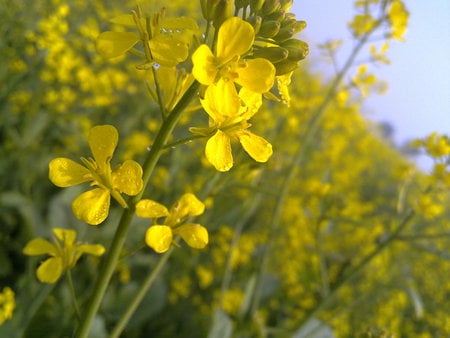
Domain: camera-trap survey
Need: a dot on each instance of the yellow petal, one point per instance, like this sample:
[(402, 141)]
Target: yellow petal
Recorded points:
[(50, 270), (103, 141), (218, 151), (257, 147), (168, 51), (205, 67), (252, 101), (91, 249), (39, 246), (159, 238), (258, 75), (235, 37), (150, 209), (190, 205), (92, 206), (127, 178), (221, 101), (195, 235), (67, 236), (113, 44), (64, 172)]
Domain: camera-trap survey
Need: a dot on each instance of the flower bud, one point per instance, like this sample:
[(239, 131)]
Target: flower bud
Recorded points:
[(273, 54), (286, 4), (256, 5), (255, 21), (278, 15), (208, 8), (284, 34), (269, 29), (270, 6), (285, 66), (222, 11), (297, 49)]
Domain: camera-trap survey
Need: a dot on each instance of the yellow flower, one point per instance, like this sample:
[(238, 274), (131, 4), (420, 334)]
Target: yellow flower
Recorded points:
[(160, 237), (398, 16), (235, 38), (7, 304), (92, 206), (64, 253), (228, 121)]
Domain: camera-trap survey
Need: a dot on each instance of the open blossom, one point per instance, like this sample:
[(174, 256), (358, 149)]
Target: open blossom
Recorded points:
[(160, 237), (92, 206), (64, 253), (228, 122), (235, 38)]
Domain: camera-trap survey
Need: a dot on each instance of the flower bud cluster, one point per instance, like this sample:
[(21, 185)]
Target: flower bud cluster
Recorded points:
[(275, 30)]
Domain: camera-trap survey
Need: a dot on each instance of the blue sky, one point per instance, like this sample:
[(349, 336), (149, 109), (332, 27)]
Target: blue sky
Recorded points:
[(418, 98)]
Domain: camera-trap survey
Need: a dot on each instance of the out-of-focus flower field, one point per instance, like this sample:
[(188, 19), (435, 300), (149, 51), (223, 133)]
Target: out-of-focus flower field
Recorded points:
[(316, 227)]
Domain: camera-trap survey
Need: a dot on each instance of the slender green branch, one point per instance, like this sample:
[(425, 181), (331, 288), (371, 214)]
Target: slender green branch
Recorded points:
[(183, 141), (148, 282), (73, 294), (118, 241)]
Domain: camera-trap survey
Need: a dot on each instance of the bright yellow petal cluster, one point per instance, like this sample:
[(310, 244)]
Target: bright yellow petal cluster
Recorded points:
[(398, 16), (235, 38), (229, 117), (92, 206), (160, 237), (7, 304), (362, 24), (64, 253)]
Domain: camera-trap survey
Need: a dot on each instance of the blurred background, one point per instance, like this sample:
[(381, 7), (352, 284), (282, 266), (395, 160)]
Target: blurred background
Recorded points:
[(418, 98)]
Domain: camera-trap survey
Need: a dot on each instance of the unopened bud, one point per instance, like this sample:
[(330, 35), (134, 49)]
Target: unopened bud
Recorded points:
[(269, 29), (255, 21), (278, 15), (285, 66), (284, 34), (256, 5), (223, 10), (270, 6), (297, 49), (208, 8), (273, 54), (286, 4)]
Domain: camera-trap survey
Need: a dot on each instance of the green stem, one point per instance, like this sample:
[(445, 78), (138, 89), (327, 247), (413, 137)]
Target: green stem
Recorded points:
[(120, 326), (73, 294), (118, 241)]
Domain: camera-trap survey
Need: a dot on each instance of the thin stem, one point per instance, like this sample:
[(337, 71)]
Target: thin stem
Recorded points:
[(118, 241), (120, 326), (183, 141), (73, 294)]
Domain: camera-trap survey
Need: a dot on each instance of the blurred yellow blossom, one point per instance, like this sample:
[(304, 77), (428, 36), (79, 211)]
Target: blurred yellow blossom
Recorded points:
[(7, 304), (92, 206), (160, 237), (398, 16), (64, 253)]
